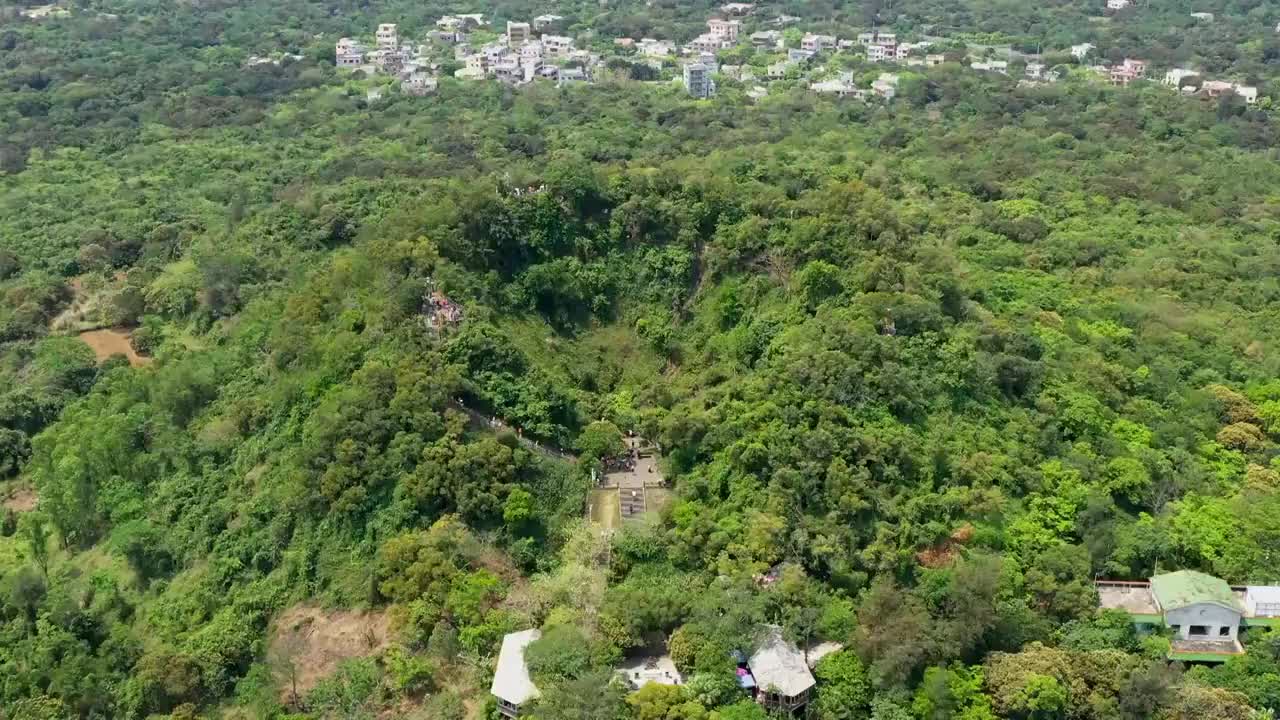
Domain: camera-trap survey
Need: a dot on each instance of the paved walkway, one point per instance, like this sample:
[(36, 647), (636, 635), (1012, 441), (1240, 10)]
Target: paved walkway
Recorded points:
[(632, 481), (481, 421)]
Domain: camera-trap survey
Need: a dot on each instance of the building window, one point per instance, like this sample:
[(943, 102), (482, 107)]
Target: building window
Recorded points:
[(1224, 631), (1199, 630)]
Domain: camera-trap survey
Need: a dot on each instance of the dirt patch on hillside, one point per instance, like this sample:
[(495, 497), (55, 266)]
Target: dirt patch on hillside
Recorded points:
[(108, 342), (309, 643), (23, 499), (945, 552)]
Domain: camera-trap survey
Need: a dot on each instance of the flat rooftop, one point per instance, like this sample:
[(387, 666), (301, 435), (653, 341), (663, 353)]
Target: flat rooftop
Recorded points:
[(651, 669), (1132, 597), (1259, 602)]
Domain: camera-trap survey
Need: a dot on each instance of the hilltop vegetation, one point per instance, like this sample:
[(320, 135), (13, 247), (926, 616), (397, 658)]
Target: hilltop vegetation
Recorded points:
[(938, 363)]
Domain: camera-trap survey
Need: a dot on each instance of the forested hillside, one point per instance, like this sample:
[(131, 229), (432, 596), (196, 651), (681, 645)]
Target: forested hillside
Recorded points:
[(919, 372)]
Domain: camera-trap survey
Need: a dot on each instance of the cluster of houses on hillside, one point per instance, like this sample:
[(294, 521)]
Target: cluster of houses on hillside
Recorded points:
[(1202, 615), (886, 87), (1118, 5), (529, 51), (520, 57), (777, 674), (1189, 82), (409, 64)]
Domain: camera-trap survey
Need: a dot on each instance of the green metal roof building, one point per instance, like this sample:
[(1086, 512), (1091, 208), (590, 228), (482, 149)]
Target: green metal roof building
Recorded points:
[(1203, 612), (1180, 589)]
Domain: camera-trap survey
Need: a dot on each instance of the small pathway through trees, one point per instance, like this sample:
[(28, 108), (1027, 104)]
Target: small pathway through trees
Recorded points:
[(481, 421)]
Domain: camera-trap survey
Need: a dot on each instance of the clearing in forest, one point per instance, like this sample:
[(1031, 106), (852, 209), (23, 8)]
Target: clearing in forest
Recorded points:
[(108, 342), (309, 643), (21, 499)]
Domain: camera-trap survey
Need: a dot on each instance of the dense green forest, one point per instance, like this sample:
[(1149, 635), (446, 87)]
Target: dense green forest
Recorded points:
[(933, 365)]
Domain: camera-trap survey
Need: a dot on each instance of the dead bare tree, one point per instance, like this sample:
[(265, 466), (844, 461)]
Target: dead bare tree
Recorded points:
[(284, 660)]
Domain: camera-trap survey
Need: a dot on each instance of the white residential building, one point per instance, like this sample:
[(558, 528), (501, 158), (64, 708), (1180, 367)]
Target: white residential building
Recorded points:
[(796, 55), (1128, 71), (1249, 93), (727, 29), (999, 66), (518, 33), (934, 60), (531, 68), (1175, 76), (542, 22), (698, 82), (507, 69), (557, 46), (388, 37), (903, 51), (349, 54), (493, 52), (512, 685), (766, 39), (350, 60), (1203, 16), (707, 42), (886, 86), (531, 51), (447, 36), (1035, 70), (840, 87), (1216, 88), (1080, 51), (879, 52), (456, 23), (817, 43), (777, 71), (419, 83), (1204, 614), (868, 38), (1118, 4), (649, 47), (737, 8)]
